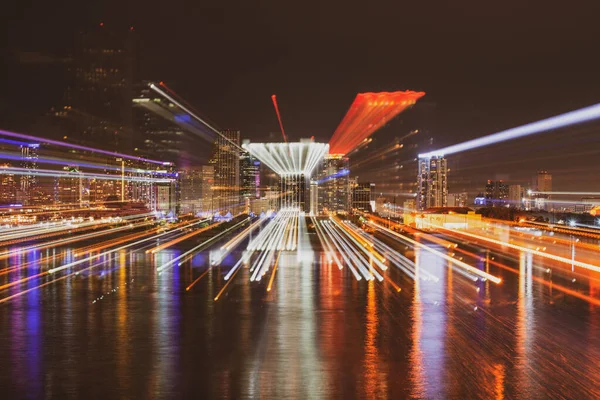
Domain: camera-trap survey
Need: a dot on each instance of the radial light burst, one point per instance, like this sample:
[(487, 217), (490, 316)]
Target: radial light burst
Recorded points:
[(368, 113), (286, 159)]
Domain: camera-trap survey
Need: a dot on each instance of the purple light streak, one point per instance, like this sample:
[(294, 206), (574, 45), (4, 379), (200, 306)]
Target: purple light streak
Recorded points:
[(76, 146)]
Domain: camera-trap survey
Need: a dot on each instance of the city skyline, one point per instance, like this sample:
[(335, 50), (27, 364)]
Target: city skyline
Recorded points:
[(300, 200)]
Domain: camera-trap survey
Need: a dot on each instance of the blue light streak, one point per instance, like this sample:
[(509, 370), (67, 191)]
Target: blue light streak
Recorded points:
[(338, 174)]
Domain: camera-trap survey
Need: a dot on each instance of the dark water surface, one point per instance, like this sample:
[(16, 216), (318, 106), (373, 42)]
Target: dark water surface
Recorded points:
[(121, 331)]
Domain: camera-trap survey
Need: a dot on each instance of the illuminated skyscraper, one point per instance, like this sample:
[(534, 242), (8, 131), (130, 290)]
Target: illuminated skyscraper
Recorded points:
[(432, 183), (8, 187), (226, 162), (542, 182), (68, 187), (334, 184), (99, 94), (28, 187), (363, 196), (496, 193), (158, 134), (250, 174)]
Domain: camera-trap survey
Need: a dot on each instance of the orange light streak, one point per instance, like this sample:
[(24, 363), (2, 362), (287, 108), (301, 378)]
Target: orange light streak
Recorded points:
[(226, 284), (191, 285), (181, 238), (368, 113), (521, 248), (273, 273), (551, 285)]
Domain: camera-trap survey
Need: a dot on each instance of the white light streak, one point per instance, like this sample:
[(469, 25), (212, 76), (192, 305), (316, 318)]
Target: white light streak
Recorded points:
[(560, 121), (287, 159)]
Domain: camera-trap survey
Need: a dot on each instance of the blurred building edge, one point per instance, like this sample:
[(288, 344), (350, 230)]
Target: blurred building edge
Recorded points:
[(96, 107), (225, 159), (196, 190), (458, 199)]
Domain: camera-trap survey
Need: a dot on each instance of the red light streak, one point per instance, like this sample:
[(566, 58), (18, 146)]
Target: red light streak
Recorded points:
[(368, 113), (274, 98)]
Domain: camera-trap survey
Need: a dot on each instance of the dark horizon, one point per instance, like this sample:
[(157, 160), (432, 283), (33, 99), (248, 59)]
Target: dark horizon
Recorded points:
[(485, 67)]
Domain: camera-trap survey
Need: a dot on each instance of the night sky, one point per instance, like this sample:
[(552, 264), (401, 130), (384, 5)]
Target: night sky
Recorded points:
[(487, 66)]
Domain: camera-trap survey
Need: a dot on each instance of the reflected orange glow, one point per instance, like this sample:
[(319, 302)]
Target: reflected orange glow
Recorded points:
[(273, 273), (375, 379)]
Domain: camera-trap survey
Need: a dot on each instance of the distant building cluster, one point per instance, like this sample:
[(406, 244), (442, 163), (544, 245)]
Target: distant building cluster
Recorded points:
[(498, 193)]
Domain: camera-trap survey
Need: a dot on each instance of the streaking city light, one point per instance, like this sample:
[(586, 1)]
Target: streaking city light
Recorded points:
[(368, 113), (560, 121), (285, 159), (339, 174), (75, 146), (530, 192)]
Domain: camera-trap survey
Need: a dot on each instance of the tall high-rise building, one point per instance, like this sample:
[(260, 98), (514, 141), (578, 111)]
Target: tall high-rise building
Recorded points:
[(98, 97), (158, 135), (542, 182), (8, 187), (496, 193), (250, 176), (225, 159), (363, 196), (196, 189), (432, 182), (515, 196), (334, 184), (68, 187), (191, 186), (28, 183)]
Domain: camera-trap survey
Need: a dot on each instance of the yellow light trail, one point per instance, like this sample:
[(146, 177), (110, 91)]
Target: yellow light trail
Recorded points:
[(181, 238), (62, 242), (273, 273), (191, 285), (368, 246), (564, 260), (226, 284), (544, 282), (464, 265), (189, 254), (52, 281)]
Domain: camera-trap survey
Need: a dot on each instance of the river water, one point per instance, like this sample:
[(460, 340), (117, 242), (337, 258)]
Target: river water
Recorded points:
[(122, 331)]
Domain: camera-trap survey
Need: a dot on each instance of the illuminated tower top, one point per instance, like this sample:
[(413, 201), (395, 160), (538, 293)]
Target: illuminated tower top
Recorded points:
[(285, 159)]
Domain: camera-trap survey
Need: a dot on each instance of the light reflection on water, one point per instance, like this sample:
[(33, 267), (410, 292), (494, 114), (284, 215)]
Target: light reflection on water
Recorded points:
[(318, 333)]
